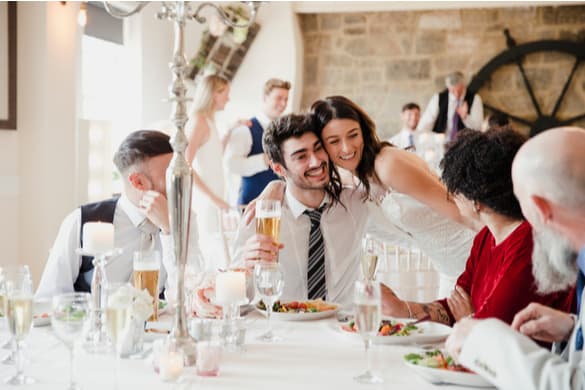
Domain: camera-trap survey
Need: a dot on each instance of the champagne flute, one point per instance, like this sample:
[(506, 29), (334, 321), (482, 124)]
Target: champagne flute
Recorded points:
[(268, 218), (69, 320), (369, 258), (19, 314), (117, 320), (367, 317), (6, 273), (269, 280)]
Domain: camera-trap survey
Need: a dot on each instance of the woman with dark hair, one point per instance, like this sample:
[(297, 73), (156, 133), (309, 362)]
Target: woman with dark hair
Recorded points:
[(498, 280), (414, 203)]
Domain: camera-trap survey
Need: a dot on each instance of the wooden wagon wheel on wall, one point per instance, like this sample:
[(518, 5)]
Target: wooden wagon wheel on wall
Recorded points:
[(515, 54)]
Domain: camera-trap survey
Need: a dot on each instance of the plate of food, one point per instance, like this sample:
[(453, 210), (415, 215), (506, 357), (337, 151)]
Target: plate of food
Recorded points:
[(42, 309), (300, 310), (404, 331), (439, 368)]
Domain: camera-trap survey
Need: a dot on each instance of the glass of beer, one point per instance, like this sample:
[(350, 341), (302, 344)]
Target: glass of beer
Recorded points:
[(19, 315), (268, 218), (146, 273)]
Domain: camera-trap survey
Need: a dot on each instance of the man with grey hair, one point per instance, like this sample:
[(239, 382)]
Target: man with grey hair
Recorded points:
[(549, 181), (452, 109)]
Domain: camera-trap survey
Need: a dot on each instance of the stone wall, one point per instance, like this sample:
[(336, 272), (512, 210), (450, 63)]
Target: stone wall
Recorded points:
[(385, 59)]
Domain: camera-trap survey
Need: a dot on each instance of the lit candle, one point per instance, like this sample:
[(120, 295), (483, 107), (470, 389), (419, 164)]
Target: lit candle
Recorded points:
[(170, 366), (230, 287), (98, 237)]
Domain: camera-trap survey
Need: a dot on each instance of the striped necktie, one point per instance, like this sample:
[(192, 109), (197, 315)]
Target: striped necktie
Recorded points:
[(316, 284)]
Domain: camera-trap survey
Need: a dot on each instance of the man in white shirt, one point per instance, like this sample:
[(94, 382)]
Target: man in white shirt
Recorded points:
[(549, 181), (244, 155), (140, 217), (409, 117), (321, 225), (452, 109)]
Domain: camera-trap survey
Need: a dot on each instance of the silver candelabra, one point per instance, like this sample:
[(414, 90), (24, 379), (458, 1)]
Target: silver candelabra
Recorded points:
[(179, 180)]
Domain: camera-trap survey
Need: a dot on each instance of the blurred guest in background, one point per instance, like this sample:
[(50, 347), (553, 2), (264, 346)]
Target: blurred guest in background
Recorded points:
[(409, 118), (244, 153)]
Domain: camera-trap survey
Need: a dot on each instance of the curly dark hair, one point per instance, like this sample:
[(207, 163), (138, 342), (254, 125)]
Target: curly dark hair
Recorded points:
[(293, 125), (340, 107), (479, 166)]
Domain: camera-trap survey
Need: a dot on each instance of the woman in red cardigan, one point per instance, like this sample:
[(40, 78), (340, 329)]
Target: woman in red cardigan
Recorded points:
[(497, 280)]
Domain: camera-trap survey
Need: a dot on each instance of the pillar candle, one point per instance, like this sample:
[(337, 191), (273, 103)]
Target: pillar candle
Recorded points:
[(230, 287), (98, 237)]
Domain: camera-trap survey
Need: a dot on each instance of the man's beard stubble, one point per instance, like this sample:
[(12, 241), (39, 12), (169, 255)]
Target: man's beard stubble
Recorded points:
[(554, 262)]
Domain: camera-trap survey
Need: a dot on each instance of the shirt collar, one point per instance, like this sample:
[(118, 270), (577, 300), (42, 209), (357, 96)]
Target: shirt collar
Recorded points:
[(132, 211), (453, 98), (296, 207), (263, 119)]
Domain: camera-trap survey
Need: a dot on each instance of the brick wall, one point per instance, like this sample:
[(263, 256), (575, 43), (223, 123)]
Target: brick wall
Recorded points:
[(385, 59)]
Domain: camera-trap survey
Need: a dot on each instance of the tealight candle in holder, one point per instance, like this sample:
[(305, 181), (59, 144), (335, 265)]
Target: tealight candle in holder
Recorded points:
[(208, 358), (170, 365)]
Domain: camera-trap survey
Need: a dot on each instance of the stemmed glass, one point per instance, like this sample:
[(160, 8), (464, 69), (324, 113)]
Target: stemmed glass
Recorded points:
[(118, 309), (69, 320), (19, 314), (4, 276), (369, 258), (269, 280), (367, 318)]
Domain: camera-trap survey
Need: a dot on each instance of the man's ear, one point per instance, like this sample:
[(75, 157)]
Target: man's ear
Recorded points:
[(138, 181), (543, 208), (278, 169)]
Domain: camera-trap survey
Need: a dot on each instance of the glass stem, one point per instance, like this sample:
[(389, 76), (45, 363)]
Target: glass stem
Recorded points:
[(117, 384), (268, 313), (71, 370), (19, 359), (367, 343)]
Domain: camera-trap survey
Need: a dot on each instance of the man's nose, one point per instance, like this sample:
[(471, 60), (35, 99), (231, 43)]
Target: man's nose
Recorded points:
[(314, 160)]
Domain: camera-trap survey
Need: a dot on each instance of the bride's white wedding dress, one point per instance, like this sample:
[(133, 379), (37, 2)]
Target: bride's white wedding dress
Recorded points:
[(208, 163), (407, 221)]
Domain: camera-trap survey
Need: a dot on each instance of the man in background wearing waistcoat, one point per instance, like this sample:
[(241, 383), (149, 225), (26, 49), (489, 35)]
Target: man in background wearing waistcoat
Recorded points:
[(452, 109), (140, 217), (244, 153)]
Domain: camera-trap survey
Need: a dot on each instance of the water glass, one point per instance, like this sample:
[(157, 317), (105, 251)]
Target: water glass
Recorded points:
[(70, 319), (19, 315), (367, 317), (269, 280)]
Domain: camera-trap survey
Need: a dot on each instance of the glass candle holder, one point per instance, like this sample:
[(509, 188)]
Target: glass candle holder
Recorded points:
[(208, 358)]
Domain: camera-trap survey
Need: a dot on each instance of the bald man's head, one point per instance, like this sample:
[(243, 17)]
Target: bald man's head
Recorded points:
[(551, 165)]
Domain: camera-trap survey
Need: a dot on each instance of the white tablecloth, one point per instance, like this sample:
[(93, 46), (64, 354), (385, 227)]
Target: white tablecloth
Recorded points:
[(312, 355)]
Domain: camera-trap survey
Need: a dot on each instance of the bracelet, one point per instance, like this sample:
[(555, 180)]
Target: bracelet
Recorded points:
[(409, 311)]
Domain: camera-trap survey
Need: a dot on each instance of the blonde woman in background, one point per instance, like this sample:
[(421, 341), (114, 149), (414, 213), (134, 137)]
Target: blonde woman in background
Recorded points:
[(204, 153)]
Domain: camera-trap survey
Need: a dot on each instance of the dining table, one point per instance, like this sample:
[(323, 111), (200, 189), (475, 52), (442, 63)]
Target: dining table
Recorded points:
[(315, 354)]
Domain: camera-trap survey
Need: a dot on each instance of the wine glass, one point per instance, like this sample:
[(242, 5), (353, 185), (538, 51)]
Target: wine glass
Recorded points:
[(269, 280), (367, 318), (118, 310), (369, 258), (69, 320), (19, 314), (5, 271)]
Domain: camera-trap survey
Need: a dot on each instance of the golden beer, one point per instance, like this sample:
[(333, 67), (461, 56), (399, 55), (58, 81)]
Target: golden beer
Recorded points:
[(268, 226), (145, 276)]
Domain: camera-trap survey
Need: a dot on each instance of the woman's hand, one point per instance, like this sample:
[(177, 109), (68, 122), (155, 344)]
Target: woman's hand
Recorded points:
[(392, 305), (460, 304)]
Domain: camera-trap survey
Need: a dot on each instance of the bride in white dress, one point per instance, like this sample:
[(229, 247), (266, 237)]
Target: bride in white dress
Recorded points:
[(415, 205), (204, 153)]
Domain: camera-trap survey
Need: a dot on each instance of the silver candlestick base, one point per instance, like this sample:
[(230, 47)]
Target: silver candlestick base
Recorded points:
[(97, 340)]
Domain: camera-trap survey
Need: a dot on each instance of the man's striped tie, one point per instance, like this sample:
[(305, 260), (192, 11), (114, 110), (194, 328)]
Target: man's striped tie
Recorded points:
[(316, 270)]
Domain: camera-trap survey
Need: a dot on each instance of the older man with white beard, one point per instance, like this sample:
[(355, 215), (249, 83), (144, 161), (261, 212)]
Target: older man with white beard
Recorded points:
[(549, 181)]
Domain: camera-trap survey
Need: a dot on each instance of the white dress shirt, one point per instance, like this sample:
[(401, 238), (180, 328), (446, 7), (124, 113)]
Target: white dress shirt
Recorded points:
[(402, 139), (239, 146), (62, 267), (473, 120), (342, 228)]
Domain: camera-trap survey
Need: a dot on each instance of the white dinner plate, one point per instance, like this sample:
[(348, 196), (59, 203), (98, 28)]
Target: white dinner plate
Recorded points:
[(42, 309), (302, 316), (441, 376), (427, 333)]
